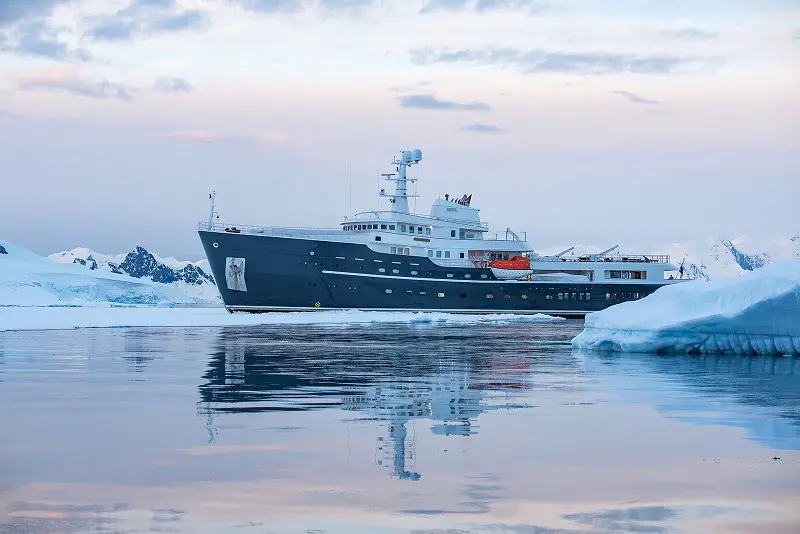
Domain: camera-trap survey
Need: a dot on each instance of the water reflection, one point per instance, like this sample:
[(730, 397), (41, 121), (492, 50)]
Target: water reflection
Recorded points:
[(389, 429), (760, 394), (392, 375)]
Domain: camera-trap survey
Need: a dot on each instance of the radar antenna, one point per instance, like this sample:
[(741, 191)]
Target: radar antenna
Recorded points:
[(399, 200)]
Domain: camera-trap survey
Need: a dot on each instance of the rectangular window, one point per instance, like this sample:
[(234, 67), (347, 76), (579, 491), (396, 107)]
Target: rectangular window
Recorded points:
[(561, 296), (408, 251), (574, 296), (430, 253), (461, 255), (438, 253), (452, 233), (427, 231), (391, 227), (446, 253), (419, 229), (588, 296), (383, 227), (394, 250), (410, 229), (402, 227)]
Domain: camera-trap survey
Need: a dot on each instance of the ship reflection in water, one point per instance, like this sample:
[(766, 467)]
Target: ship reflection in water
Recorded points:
[(382, 375), (390, 429)]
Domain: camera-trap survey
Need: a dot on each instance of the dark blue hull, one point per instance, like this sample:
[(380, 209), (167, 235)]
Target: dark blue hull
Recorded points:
[(283, 274)]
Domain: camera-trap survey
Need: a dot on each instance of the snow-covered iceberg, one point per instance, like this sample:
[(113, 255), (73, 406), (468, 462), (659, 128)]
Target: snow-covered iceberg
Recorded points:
[(756, 313), (27, 279)]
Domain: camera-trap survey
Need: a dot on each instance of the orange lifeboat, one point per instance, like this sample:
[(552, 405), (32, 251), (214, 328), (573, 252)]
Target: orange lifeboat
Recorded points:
[(516, 267)]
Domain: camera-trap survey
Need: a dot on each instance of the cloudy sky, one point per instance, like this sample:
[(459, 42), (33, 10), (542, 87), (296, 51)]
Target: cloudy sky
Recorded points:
[(578, 121)]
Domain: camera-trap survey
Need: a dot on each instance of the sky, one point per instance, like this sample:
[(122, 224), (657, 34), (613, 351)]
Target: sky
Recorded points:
[(575, 121)]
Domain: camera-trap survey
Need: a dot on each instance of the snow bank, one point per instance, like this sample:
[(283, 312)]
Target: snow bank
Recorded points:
[(60, 318), (758, 312), (27, 279)]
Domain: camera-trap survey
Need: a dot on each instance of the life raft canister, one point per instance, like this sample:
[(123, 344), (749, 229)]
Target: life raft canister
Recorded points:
[(515, 263)]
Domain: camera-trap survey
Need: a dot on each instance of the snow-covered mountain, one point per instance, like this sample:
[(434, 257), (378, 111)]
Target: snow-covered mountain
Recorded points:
[(724, 258), (190, 277), (27, 279)]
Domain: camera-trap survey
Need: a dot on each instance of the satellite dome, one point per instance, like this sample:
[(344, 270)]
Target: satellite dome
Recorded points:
[(417, 155)]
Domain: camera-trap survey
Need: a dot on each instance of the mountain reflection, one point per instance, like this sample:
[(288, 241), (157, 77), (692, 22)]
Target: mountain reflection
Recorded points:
[(391, 374)]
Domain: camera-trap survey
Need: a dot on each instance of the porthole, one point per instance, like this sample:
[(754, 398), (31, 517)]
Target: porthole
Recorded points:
[(409, 292), (467, 276), (216, 245), (449, 275), (484, 276), (423, 293), (506, 296), (489, 296), (441, 294), (395, 271), (311, 252), (381, 270), (414, 272), (524, 296), (388, 290)]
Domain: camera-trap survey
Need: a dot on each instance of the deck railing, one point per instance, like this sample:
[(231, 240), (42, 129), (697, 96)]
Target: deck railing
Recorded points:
[(623, 258)]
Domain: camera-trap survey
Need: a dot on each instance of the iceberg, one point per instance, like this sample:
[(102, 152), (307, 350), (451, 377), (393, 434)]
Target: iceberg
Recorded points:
[(755, 313)]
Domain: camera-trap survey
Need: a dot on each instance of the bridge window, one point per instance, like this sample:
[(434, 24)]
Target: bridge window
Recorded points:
[(410, 229), (419, 229)]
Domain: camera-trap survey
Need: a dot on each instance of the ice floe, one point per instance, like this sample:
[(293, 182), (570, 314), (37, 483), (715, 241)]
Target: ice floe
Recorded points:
[(62, 318)]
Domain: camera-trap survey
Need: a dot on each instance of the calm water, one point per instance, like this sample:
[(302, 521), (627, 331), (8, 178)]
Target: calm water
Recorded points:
[(389, 429)]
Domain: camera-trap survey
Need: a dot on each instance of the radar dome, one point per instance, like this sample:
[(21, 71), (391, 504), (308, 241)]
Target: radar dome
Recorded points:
[(408, 157), (417, 155)]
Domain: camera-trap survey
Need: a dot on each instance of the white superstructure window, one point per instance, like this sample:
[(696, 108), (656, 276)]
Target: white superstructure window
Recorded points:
[(446, 253)]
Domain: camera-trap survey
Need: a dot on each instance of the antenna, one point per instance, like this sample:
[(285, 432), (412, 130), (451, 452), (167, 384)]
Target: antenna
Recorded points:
[(350, 208)]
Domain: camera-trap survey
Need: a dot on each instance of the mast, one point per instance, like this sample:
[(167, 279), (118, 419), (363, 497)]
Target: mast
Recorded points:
[(212, 197), (399, 199)]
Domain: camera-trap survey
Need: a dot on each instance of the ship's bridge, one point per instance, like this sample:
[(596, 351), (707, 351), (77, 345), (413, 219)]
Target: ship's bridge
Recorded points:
[(445, 209)]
